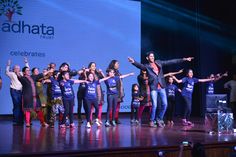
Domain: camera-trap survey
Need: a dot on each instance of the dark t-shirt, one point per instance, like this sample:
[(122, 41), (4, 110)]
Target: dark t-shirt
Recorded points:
[(91, 90), (55, 88), (67, 89), (210, 88), (111, 84), (188, 86), (171, 90)]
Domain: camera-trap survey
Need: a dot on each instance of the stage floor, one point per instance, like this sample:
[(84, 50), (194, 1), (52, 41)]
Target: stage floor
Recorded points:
[(22, 140)]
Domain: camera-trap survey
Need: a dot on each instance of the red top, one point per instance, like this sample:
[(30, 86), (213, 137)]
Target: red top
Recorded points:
[(156, 69)]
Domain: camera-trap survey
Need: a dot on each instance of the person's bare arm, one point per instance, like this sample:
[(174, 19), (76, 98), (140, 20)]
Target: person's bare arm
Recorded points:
[(218, 76), (177, 80), (126, 75), (79, 81), (205, 80), (173, 73), (104, 79), (26, 62), (8, 68)]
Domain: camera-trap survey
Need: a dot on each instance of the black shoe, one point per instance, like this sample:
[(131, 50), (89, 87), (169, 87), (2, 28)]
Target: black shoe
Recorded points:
[(107, 124), (118, 122), (80, 121)]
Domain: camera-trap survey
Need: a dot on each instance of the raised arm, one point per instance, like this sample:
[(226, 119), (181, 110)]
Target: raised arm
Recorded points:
[(104, 79), (83, 71), (136, 64), (205, 80), (175, 61), (26, 62), (177, 80), (101, 74), (173, 73), (218, 76), (47, 81), (8, 68), (79, 81), (126, 75)]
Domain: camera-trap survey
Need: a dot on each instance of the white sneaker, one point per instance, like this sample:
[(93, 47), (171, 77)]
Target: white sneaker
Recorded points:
[(107, 124), (88, 125), (100, 121), (97, 122)]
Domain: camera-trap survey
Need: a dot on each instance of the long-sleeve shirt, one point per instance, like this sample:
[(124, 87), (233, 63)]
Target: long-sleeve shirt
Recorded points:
[(156, 76), (15, 83), (232, 86)]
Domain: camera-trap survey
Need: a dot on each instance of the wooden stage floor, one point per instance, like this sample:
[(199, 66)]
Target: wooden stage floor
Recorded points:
[(19, 140)]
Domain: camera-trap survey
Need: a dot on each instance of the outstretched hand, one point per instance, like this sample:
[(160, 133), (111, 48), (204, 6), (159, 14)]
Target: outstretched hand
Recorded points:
[(180, 71), (25, 60), (9, 62), (131, 74), (188, 59), (130, 59), (225, 74)]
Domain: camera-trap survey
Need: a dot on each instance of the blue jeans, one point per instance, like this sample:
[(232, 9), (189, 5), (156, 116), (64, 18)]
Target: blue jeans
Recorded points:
[(160, 108), (18, 116)]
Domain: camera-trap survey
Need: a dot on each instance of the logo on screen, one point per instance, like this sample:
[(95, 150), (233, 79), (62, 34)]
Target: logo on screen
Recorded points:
[(9, 8)]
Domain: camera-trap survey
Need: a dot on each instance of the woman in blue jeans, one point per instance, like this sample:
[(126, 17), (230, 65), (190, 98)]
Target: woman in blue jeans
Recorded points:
[(187, 91)]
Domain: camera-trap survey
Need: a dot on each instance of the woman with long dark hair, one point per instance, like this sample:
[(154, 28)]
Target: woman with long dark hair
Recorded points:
[(114, 64), (112, 95), (145, 92)]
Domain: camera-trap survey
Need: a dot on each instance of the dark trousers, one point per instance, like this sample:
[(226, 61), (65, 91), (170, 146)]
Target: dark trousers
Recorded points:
[(134, 112), (16, 95), (89, 104), (68, 106), (81, 102), (188, 107), (111, 105), (170, 108)]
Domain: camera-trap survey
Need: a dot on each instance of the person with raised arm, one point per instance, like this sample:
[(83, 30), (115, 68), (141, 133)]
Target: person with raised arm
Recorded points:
[(16, 92), (115, 65), (210, 85), (91, 97), (98, 74), (187, 92), (112, 94), (157, 84), (31, 101), (68, 97)]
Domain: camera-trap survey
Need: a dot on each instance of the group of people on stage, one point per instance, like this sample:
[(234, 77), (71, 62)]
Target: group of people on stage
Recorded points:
[(52, 89)]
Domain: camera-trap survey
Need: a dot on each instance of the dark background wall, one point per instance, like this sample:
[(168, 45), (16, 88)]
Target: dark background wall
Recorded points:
[(203, 29)]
